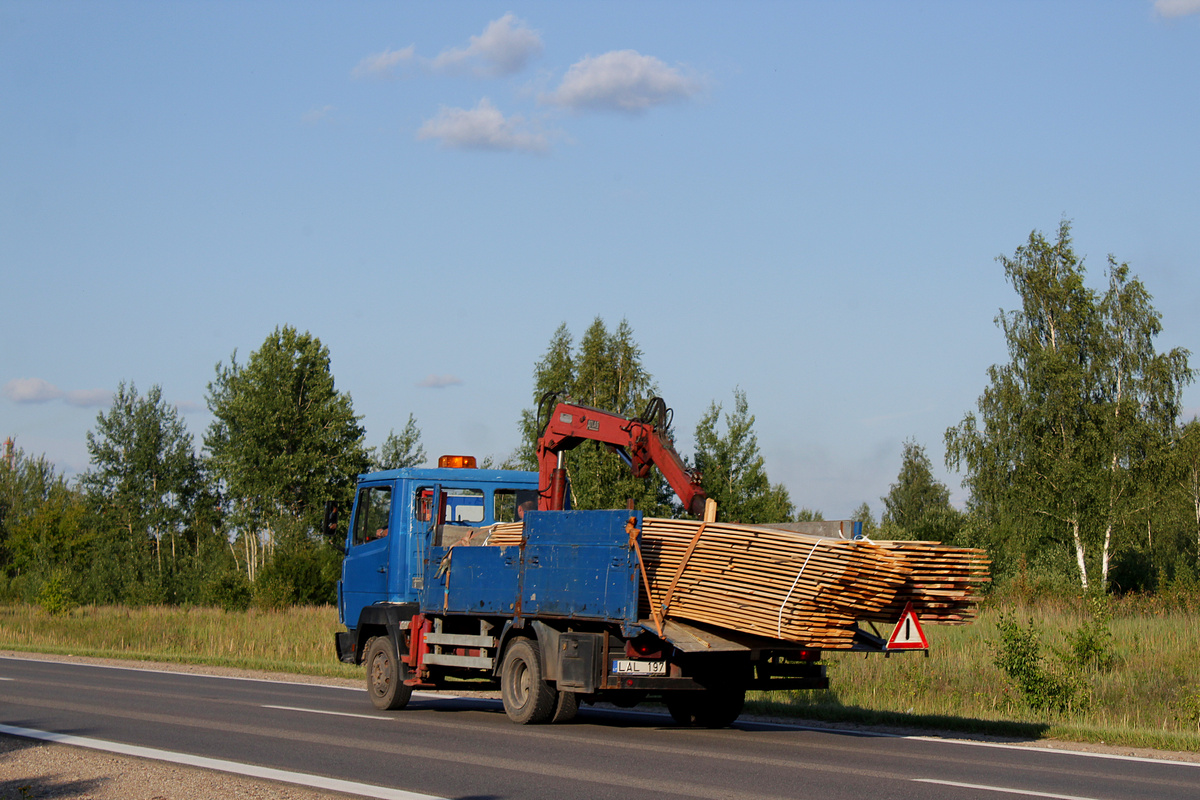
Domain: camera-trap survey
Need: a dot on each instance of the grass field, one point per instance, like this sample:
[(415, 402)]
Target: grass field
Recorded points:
[(296, 640), (1150, 697)]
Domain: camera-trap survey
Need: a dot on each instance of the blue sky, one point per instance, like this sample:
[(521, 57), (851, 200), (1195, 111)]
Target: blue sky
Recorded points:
[(801, 200)]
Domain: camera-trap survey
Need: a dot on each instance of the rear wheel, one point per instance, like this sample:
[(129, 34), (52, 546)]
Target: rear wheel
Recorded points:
[(682, 706), (711, 708), (566, 708), (528, 698), (720, 707), (386, 675)]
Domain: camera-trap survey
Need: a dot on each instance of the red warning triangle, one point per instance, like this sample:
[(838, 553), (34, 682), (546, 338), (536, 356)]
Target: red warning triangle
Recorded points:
[(907, 635)]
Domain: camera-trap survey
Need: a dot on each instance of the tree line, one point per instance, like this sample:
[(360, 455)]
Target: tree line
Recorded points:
[(155, 519), (1079, 469)]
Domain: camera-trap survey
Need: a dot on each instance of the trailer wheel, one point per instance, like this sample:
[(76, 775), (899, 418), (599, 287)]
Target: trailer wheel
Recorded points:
[(682, 706), (566, 708), (711, 708), (528, 698), (719, 708), (386, 675)]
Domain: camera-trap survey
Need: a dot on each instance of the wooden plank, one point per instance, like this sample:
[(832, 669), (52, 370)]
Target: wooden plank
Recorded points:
[(810, 589)]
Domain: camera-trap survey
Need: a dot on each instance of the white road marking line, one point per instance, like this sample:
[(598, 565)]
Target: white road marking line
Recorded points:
[(330, 713), (189, 674), (1059, 749), (1003, 789), (431, 695), (221, 765)]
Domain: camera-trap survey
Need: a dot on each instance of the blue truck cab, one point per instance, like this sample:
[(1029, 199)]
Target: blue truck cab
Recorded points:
[(551, 622), (393, 526)]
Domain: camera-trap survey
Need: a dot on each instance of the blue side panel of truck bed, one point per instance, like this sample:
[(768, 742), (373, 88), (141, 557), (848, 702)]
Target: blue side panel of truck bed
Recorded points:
[(578, 565), (476, 580), (574, 565)]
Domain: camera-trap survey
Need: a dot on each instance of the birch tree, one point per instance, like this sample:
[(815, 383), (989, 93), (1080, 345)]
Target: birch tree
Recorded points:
[(283, 439), (1068, 431), (145, 474)]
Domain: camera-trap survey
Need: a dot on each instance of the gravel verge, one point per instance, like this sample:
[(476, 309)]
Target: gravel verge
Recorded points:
[(34, 769)]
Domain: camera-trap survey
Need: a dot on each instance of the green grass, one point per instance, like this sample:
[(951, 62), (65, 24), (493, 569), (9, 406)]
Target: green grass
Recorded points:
[(1149, 698), (297, 640)]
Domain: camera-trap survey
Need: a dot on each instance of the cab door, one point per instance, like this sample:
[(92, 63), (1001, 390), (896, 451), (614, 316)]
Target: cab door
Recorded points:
[(367, 565), (427, 501)]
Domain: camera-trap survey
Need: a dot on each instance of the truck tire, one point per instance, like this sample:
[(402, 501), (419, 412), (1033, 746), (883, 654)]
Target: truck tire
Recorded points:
[(720, 708), (528, 698), (711, 708), (386, 675), (682, 706), (566, 708)]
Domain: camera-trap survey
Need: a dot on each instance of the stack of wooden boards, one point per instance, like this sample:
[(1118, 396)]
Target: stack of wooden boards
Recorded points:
[(790, 585)]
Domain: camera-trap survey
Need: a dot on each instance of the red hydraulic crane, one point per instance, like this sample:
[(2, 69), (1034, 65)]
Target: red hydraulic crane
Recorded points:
[(642, 442)]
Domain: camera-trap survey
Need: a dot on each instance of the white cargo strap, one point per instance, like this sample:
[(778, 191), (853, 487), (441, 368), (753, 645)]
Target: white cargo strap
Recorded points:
[(788, 596)]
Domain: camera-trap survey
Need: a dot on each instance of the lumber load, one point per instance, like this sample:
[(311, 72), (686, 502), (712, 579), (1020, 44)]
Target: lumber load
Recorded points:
[(942, 584), (786, 584)]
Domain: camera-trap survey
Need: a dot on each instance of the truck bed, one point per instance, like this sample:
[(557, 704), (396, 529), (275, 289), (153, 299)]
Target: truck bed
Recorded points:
[(571, 565)]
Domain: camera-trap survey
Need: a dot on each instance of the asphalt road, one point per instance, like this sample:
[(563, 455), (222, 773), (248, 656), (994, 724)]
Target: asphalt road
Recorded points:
[(466, 748)]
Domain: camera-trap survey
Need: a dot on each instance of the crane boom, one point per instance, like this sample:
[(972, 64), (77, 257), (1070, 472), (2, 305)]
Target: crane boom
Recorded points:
[(642, 442)]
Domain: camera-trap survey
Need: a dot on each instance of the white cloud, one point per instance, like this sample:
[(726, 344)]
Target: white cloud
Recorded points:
[(439, 381), (1177, 8), (31, 390), (36, 390), (504, 47), (315, 115), (623, 80), (89, 398), (382, 65), (482, 128)]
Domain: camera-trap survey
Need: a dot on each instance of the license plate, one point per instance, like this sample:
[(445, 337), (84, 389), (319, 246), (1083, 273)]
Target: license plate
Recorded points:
[(629, 666)]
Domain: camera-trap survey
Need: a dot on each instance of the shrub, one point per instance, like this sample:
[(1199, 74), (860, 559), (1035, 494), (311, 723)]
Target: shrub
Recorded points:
[(1091, 644), (56, 595), (1018, 653), (229, 590), (1189, 708), (272, 592)]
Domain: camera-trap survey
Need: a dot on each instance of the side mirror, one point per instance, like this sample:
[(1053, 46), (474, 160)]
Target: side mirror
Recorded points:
[(329, 526)]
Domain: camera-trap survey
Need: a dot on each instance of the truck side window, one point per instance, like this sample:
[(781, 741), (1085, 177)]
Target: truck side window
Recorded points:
[(374, 514), (423, 504), (507, 501), (462, 506)]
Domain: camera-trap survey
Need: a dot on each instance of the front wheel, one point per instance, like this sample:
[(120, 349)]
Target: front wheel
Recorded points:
[(386, 675), (528, 698)]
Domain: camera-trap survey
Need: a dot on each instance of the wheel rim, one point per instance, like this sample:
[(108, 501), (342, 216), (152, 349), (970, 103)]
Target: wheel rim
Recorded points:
[(522, 685), (380, 674)]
